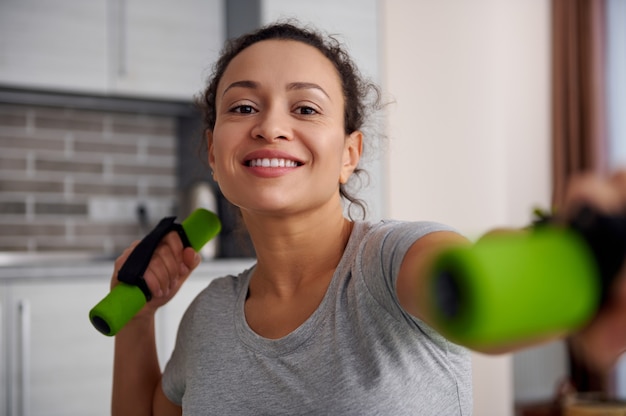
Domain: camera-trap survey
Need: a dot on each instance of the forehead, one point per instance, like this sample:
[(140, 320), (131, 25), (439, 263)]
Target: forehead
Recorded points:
[(282, 60)]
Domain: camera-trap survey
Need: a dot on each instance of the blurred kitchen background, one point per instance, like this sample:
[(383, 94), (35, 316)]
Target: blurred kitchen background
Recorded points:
[(99, 140)]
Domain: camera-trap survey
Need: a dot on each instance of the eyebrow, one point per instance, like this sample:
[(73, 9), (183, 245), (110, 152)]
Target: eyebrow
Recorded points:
[(305, 86), (241, 84), (291, 86)]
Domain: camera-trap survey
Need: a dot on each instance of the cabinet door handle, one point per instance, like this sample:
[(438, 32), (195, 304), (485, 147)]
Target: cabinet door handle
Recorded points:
[(5, 369), (23, 313)]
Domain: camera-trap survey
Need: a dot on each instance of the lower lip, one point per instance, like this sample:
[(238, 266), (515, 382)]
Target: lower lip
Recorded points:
[(270, 172)]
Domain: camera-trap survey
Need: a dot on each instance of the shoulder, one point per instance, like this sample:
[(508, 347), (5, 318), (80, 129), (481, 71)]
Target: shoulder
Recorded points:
[(413, 228), (396, 237), (217, 295), (394, 258), (383, 247)]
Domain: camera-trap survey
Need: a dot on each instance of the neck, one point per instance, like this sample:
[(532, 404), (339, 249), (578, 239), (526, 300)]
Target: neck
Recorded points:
[(292, 252)]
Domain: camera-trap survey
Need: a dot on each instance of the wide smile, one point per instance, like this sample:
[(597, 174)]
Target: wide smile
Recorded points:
[(273, 162)]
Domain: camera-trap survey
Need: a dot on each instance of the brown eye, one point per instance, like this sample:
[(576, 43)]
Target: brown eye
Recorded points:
[(243, 109), (305, 110)]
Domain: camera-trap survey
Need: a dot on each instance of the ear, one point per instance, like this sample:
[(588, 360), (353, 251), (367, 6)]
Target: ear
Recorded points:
[(352, 150), (210, 153)]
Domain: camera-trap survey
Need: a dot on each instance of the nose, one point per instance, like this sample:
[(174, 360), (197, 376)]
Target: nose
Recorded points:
[(272, 125)]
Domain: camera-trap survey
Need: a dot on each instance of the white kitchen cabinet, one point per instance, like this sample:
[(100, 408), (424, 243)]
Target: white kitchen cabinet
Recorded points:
[(56, 364), (166, 48), (143, 48), (53, 362), (59, 44)]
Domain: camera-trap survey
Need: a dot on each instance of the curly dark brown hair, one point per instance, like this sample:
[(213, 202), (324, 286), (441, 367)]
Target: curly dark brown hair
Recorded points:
[(360, 96)]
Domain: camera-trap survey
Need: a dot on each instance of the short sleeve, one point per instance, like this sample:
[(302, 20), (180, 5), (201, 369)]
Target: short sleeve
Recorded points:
[(381, 257), (173, 380)]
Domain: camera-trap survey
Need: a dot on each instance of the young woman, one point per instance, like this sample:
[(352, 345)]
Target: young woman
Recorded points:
[(331, 319)]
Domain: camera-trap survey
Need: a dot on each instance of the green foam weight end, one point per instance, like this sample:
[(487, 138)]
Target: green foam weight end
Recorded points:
[(117, 308), (200, 227), (510, 288)]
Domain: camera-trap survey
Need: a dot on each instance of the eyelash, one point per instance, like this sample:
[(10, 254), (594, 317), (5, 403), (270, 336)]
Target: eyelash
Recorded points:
[(310, 110), (250, 110), (238, 109)]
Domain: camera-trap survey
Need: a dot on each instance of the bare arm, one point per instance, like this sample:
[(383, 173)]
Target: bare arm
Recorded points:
[(411, 286), (416, 298), (136, 373), (411, 283), (601, 341)]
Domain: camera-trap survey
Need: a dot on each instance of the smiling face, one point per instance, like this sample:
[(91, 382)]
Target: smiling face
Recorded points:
[(278, 145)]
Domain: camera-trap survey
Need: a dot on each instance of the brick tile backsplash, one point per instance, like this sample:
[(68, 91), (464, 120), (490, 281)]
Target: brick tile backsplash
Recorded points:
[(103, 189), (73, 180), (61, 208), (104, 147), (8, 119), (69, 166), (10, 139), (69, 122), (13, 208), (11, 186)]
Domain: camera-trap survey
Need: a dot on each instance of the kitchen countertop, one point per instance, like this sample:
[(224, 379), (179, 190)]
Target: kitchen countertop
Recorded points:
[(63, 266)]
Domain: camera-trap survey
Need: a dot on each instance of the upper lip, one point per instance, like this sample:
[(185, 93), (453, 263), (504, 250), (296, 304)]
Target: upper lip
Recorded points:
[(270, 154)]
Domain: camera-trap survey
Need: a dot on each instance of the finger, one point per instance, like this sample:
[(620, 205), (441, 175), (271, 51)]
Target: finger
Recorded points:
[(191, 260), (173, 264), (164, 267), (167, 265), (604, 340), (187, 258), (172, 239), (618, 181), (591, 190), (162, 270)]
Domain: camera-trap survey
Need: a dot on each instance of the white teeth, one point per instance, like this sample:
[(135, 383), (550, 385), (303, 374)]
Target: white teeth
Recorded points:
[(273, 163)]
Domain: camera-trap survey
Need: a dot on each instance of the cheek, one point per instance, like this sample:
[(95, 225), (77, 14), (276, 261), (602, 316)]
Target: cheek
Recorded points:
[(334, 152), (219, 163), (220, 158), (223, 145)]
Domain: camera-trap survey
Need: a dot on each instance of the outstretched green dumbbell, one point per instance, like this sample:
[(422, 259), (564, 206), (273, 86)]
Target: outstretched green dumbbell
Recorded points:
[(509, 288)]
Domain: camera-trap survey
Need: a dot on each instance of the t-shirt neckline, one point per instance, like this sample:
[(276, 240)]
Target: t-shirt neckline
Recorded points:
[(293, 340)]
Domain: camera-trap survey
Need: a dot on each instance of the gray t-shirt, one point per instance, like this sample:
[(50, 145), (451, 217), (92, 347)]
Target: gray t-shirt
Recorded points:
[(359, 353)]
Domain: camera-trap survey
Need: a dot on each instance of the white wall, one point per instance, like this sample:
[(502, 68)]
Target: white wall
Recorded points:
[(469, 130), (470, 127)]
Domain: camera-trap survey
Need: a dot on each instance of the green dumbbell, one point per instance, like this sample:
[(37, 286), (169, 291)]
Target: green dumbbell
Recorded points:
[(514, 287), (125, 300)]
